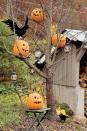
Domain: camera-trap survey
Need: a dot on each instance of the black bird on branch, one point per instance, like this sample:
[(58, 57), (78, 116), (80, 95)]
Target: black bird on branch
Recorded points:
[(20, 31), (40, 63)]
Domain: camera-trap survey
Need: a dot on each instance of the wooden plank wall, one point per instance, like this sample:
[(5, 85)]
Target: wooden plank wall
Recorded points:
[(65, 77), (65, 68)]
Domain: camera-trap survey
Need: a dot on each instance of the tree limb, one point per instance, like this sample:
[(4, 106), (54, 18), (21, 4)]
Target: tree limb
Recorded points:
[(30, 65), (27, 62), (48, 24)]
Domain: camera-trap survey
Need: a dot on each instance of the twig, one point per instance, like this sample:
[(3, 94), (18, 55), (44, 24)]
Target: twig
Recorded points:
[(48, 23), (30, 65)]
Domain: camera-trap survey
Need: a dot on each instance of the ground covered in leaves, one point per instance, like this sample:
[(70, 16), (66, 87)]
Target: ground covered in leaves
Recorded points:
[(13, 118), (68, 125)]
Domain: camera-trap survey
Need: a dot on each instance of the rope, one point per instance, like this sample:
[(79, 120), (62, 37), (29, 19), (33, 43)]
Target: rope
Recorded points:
[(8, 8), (10, 12), (12, 15)]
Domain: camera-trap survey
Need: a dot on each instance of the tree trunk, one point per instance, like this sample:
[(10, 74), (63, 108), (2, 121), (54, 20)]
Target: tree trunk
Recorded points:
[(50, 96)]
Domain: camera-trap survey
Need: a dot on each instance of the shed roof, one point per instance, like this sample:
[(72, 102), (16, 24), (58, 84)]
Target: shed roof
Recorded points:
[(75, 35)]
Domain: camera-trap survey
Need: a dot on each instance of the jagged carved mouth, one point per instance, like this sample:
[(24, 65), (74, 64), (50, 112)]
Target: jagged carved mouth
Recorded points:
[(37, 102), (36, 14), (24, 50)]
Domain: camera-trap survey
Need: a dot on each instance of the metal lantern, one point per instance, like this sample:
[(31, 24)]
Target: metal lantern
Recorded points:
[(13, 76), (67, 48), (38, 54)]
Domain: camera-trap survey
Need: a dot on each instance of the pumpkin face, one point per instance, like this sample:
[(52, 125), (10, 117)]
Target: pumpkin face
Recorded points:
[(21, 48), (62, 40), (35, 101), (37, 15)]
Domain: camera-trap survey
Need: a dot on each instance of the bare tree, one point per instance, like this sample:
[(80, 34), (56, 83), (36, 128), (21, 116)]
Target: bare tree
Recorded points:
[(52, 10)]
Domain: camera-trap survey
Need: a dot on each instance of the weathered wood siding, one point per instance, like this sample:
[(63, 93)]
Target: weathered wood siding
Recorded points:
[(66, 80), (65, 68), (65, 77)]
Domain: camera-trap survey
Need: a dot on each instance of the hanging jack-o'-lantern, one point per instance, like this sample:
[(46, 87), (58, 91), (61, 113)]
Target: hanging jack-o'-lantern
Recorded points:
[(37, 15), (62, 40), (21, 48), (35, 101)]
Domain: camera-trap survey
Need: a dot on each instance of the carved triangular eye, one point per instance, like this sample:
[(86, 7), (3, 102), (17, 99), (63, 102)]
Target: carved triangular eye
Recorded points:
[(39, 11), (35, 97), (23, 49), (23, 44)]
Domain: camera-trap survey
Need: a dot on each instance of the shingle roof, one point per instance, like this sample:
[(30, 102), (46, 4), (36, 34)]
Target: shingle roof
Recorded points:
[(76, 35)]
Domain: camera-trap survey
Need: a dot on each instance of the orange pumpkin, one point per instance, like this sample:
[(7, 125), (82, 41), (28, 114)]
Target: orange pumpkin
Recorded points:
[(35, 101), (21, 48), (37, 15), (62, 40)]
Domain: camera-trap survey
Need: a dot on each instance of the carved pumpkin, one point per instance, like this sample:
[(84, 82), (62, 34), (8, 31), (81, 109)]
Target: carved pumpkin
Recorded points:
[(62, 40), (21, 48), (35, 101), (37, 15)]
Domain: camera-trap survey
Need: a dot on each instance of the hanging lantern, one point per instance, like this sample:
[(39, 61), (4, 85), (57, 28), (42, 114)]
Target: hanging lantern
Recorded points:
[(62, 40), (37, 15), (38, 54), (67, 48), (35, 101), (13, 76), (21, 48)]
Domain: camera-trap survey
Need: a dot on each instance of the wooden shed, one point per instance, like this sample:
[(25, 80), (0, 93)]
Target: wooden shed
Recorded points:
[(67, 71)]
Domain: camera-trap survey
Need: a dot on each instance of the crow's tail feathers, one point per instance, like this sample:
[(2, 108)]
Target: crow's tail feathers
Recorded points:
[(8, 21), (26, 22)]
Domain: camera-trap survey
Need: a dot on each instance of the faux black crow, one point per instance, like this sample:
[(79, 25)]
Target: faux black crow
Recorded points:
[(62, 117), (20, 31), (62, 114), (40, 63)]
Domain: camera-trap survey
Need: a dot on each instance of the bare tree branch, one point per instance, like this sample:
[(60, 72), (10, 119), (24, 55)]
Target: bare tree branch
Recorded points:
[(30, 65), (48, 24)]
